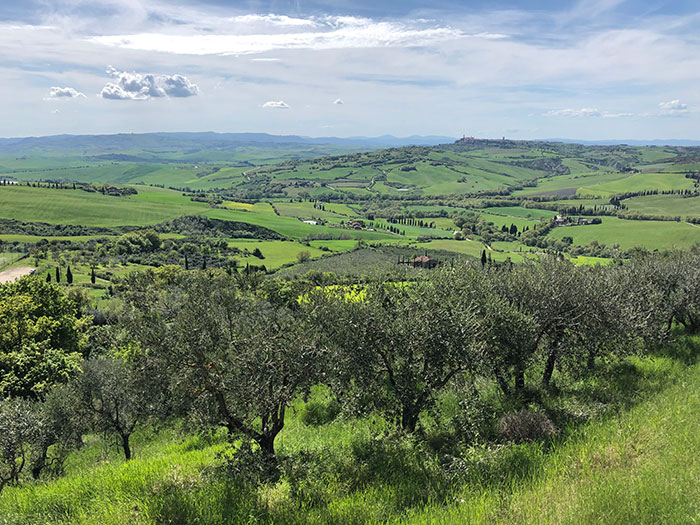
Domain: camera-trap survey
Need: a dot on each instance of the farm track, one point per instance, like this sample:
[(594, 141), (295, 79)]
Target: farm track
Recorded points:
[(15, 273)]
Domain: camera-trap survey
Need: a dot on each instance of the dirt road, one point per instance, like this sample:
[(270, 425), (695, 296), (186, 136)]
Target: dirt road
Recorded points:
[(15, 273)]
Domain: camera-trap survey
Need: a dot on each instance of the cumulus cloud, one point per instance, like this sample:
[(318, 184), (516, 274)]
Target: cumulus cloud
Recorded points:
[(338, 101), (276, 104), (64, 92), (674, 108), (337, 32), (138, 86)]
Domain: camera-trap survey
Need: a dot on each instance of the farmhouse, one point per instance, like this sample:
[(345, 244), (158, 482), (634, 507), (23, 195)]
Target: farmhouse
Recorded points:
[(423, 261), (561, 220)]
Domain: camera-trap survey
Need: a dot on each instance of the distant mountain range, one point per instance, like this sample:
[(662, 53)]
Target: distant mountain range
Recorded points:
[(228, 141), (205, 140), (656, 142)]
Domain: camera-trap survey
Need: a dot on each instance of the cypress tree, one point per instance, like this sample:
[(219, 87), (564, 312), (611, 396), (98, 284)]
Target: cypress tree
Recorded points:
[(48, 277), (58, 275), (92, 276), (69, 276), (483, 258)]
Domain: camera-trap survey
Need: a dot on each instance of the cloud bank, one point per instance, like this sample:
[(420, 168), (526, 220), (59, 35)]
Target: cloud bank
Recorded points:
[(317, 33), (138, 86)]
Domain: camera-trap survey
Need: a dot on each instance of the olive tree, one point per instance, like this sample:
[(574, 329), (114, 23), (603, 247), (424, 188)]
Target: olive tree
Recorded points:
[(60, 430), (396, 346), (111, 396), (234, 359), (18, 432)]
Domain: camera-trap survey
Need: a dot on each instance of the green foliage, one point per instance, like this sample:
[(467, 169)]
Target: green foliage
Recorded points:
[(42, 340), (232, 359), (18, 431)]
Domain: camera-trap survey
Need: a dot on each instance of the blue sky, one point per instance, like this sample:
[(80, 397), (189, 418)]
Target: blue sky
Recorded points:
[(590, 69)]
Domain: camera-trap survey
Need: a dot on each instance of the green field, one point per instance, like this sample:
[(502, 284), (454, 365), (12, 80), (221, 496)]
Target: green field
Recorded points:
[(7, 259), (276, 253), (78, 207), (661, 235), (520, 212), (639, 182), (570, 182), (668, 205)]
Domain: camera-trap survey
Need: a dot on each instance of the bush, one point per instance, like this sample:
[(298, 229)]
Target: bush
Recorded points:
[(526, 425), (316, 413)]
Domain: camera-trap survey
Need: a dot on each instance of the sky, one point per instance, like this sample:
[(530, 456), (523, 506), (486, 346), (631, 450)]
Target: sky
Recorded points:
[(586, 69)]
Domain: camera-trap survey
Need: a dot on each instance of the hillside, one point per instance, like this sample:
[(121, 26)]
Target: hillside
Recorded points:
[(638, 464)]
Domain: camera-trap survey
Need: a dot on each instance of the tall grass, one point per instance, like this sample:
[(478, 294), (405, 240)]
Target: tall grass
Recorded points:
[(634, 460)]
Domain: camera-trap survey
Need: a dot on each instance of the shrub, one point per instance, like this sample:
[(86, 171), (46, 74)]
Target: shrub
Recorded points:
[(316, 412), (526, 425)]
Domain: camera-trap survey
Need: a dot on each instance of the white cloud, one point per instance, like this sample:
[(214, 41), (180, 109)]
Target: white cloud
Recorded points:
[(674, 108), (276, 104), (587, 112), (275, 20), (338, 101), (619, 115), (326, 33), (583, 112), (178, 86), (137, 86), (64, 92)]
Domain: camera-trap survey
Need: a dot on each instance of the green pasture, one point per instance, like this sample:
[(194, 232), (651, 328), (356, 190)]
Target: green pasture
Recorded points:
[(470, 248), (520, 212), (639, 182), (654, 154), (276, 253), (667, 205), (9, 237), (91, 209), (336, 245), (305, 210), (662, 235), (505, 220), (7, 259), (571, 182)]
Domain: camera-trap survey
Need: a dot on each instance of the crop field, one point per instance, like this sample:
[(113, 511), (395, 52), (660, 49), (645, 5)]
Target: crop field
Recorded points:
[(662, 235)]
